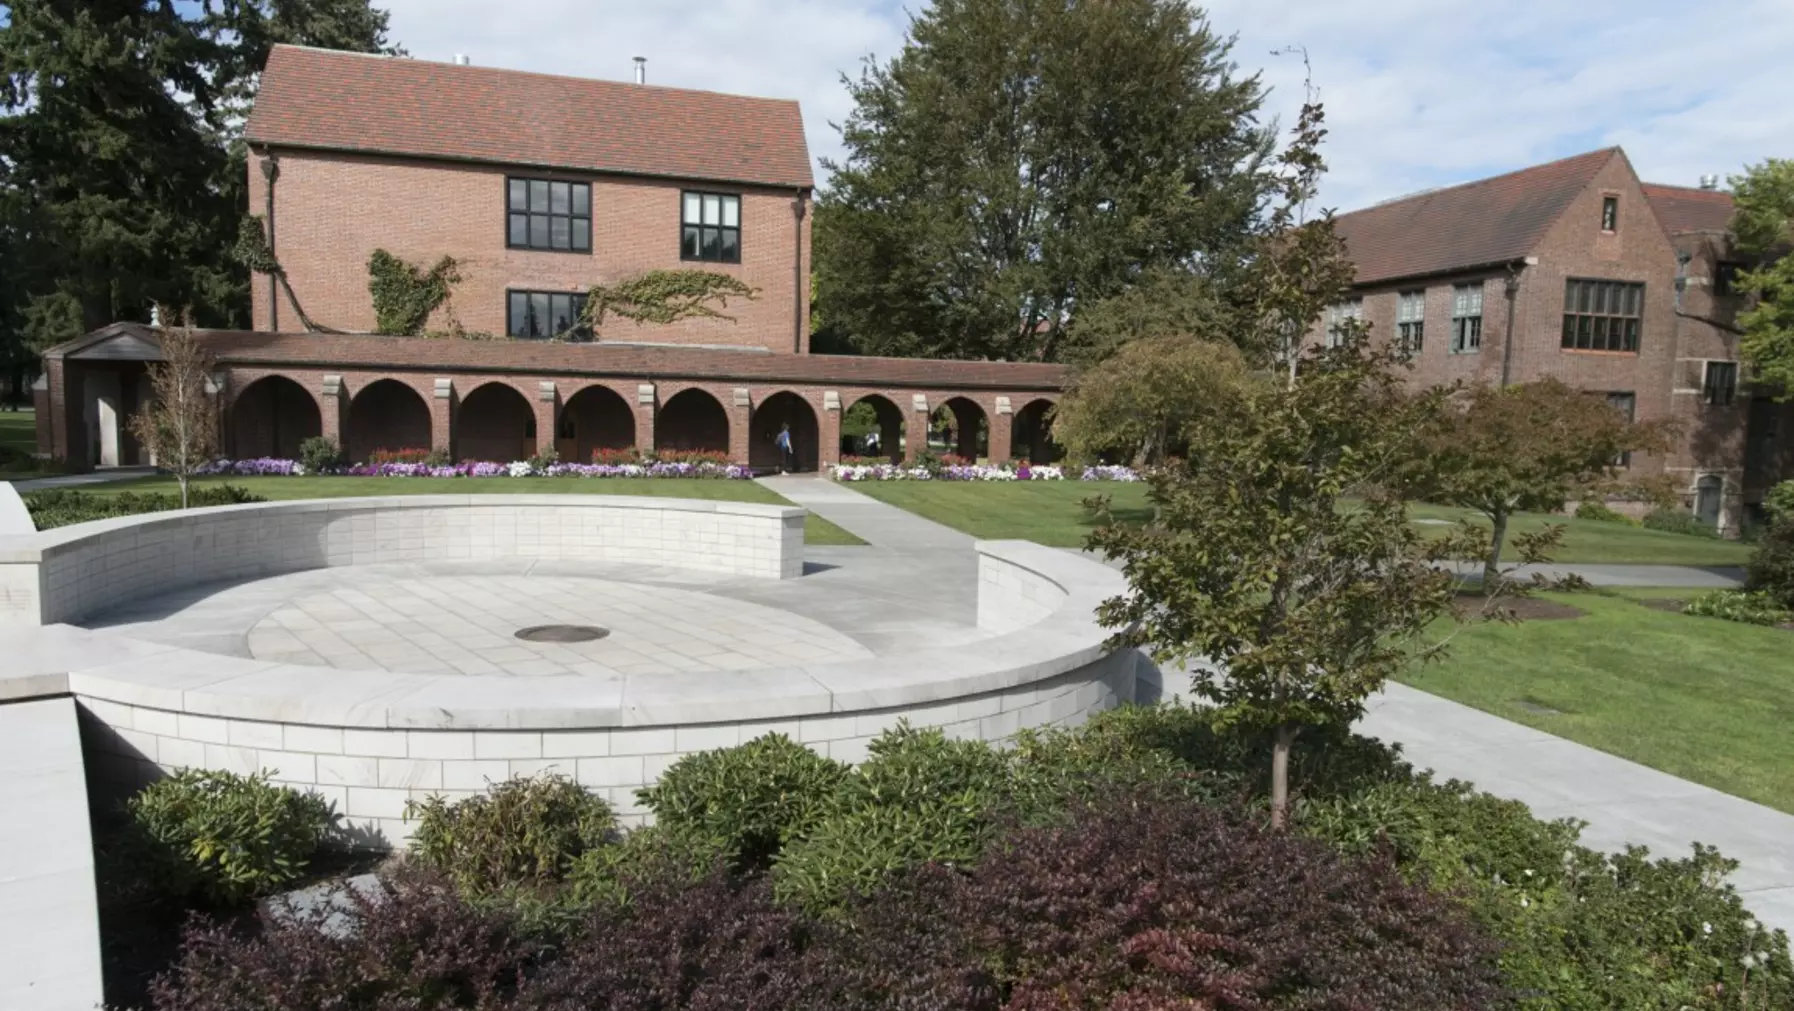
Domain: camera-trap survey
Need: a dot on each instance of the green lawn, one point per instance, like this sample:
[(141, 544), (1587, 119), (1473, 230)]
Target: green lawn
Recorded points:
[(18, 431), (816, 529), (1704, 699), (1052, 512)]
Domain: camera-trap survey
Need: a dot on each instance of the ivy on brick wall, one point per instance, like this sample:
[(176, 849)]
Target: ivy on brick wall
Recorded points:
[(252, 250), (666, 296), (405, 295)]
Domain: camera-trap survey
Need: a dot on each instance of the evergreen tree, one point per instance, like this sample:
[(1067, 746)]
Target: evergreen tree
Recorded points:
[(1020, 158)]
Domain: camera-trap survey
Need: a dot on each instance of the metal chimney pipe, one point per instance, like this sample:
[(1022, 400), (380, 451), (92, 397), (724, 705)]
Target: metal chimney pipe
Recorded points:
[(641, 70), (461, 60), (1709, 182)]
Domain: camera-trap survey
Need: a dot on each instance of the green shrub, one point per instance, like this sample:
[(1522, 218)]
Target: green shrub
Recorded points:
[(60, 507), (1779, 501), (1677, 521), (1752, 607), (1589, 509), (320, 455), (224, 838), (1771, 568), (750, 800), (521, 833), (438, 458)]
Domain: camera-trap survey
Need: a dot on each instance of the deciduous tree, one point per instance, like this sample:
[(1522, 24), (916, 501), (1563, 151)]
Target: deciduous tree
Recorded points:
[(1764, 226), (1142, 403), (179, 426), (1018, 160)]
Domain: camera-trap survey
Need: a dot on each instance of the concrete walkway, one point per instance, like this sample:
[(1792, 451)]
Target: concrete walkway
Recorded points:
[(81, 480), (1624, 803)]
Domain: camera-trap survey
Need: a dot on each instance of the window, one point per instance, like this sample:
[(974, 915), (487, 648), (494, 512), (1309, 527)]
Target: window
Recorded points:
[(1627, 404), (1338, 315), (1725, 278), (1721, 383), (1466, 317), (548, 214), (543, 314), (1602, 315), (710, 227), (1410, 320), (1610, 214)]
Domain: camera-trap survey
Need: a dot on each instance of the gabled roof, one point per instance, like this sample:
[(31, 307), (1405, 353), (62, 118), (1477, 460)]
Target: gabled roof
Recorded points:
[(1482, 223), (319, 98), (1685, 209)]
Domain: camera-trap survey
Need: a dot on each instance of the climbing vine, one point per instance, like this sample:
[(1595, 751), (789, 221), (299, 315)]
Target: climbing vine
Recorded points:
[(665, 296), (405, 295), (252, 250)]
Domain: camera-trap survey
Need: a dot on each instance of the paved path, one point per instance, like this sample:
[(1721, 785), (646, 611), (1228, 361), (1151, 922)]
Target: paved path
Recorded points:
[(1693, 576), (78, 480)]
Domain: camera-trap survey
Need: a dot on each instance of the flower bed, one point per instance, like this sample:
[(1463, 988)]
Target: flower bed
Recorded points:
[(974, 472), (705, 468)]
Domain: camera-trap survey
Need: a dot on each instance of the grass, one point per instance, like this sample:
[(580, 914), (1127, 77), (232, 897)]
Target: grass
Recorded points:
[(18, 431), (1700, 698), (1052, 513), (816, 529)]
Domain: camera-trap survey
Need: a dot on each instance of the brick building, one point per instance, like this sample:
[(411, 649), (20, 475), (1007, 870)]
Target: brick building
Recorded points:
[(1576, 269), (540, 187)]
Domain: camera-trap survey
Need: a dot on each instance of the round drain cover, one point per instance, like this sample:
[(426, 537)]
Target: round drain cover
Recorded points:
[(562, 633)]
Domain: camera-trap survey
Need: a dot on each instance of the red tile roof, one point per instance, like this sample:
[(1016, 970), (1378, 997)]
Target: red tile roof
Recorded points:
[(1684, 209), (647, 363), (320, 98), (1475, 224)]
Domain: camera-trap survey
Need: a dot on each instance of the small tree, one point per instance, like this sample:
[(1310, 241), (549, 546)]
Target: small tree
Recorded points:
[(1764, 226), (179, 425), (1304, 599), (1139, 403), (1526, 448)]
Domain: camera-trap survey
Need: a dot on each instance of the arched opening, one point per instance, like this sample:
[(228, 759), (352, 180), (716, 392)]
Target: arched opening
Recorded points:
[(387, 414), (1031, 434), (872, 426), (692, 420), (776, 412), (959, 427), (271, 417), (496, 423), (1709, 499), (596, 417)]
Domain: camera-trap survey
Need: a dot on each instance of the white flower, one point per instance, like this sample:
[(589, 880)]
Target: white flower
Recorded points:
[(1525, 902), (1529, 872), (1706, 928)]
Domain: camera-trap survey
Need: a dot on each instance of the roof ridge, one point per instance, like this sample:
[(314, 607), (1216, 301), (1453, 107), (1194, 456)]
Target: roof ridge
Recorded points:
[(1687, 189), (539, 73), (1434, 191)]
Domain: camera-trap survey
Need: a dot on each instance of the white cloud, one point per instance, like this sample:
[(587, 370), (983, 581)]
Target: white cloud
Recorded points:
[(1419, 93)]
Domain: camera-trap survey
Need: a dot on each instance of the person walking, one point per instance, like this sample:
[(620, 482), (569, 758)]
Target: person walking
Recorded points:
[(787, 458)]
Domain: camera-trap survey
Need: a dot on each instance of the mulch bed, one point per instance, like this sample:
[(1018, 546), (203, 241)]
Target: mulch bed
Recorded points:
[(1525, 608)]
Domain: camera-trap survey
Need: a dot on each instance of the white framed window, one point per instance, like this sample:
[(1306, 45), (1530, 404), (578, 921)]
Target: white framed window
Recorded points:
[(1410, 320), (1338, 315), (1466, 317)]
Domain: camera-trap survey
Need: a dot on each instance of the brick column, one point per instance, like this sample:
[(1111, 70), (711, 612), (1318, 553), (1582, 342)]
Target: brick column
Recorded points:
[(42, 413), (442, 417), (330, 411), (915, 435), (741, 423), (1002, 422), (548, 414), (829, 453), (68, 431), (644, 406)]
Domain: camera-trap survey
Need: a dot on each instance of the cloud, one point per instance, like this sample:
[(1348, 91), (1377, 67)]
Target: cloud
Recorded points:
[(1419, 93)]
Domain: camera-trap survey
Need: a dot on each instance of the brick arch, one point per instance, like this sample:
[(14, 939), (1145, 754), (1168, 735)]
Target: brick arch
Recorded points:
[(692, 419), (888, 419), (970, 426), (771, 413), (595, 417), (386, 414), (495, 421), (1032, 432), (271, 417)]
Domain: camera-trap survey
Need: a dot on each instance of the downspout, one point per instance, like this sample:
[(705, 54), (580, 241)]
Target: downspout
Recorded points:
[(271, 172), (1514, 270), (799, 290)]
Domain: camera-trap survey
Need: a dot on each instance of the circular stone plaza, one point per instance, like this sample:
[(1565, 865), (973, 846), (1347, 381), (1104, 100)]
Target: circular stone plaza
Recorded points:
[(379, 650)]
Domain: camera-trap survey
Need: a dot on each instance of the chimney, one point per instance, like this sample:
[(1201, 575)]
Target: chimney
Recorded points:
[(1709, 182), (461, 60), (641, 70)]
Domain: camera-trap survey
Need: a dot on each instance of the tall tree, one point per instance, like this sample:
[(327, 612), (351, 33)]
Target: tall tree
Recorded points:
[(1020, 158), (1764, 227)]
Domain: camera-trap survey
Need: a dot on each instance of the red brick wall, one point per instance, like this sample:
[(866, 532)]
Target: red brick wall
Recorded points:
[(333, 210)]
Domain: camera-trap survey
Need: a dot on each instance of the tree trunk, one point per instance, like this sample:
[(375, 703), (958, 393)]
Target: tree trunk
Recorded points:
[(1492, 565), (1286, 737), (182, 480)]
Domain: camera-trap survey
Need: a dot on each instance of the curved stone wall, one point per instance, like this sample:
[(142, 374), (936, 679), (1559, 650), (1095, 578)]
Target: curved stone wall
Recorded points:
[(71, 573)]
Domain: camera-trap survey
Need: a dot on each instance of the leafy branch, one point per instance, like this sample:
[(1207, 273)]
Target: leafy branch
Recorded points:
[(665, 296)]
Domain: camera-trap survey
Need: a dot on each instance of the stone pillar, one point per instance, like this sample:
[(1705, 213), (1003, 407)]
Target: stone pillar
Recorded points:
[(42, 413), (1002, 422), (741, 425), (548, 415), (915, 436), (442, 417), (68, 424), (330, 411), (829, 426), (644, 407)]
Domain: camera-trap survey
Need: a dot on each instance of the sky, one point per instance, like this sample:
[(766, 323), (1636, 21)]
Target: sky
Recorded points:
[(1419, 93)]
